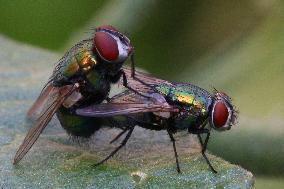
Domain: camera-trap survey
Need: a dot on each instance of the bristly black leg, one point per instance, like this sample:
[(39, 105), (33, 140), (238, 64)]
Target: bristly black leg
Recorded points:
[(131, 89), (118, 148), (200, 140), (144, 83), (204, 147), (175, 150), (133, 70), (119, 135)]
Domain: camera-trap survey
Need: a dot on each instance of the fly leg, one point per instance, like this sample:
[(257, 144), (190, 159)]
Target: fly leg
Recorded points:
[(124, 126), (204, 147), (119, 135), (133, 70), (175, 150), (125, 84), (117, 124), (118, 148), (144, 83)]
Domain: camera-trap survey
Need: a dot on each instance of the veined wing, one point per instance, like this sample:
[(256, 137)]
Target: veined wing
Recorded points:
[(38, 105), (56, 96), (126, 103), (136, 84)]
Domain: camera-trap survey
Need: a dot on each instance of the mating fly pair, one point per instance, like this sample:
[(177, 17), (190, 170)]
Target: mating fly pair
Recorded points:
[(81, 82)]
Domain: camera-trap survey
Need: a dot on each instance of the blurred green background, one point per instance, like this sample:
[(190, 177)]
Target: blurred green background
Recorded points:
[(235, 46)]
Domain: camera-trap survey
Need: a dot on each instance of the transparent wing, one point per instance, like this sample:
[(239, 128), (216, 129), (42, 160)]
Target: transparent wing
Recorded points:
[(52, 102), (127, 103), (38, 105), (149, 80)]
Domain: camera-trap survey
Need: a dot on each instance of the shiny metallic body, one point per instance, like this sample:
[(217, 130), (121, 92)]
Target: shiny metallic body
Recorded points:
[(194, 103)]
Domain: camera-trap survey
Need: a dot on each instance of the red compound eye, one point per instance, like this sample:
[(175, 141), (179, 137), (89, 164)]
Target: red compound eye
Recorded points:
[(220, 114), (108, 27), (106, 46)]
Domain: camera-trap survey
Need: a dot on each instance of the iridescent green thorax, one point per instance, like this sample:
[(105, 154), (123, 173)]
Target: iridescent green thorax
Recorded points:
[(82, 63), (192, 97)]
